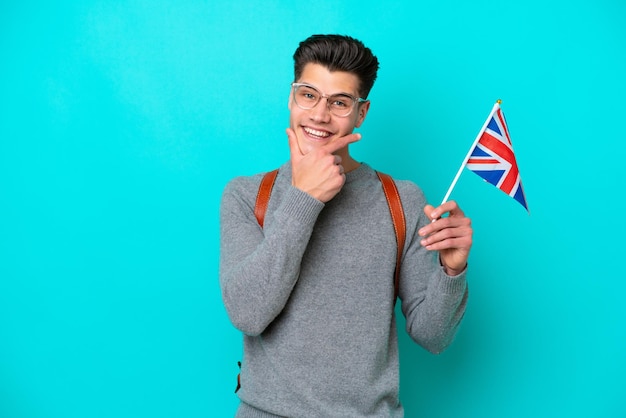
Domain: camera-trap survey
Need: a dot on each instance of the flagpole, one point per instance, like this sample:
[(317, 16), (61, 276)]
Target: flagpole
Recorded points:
[(496, 106)]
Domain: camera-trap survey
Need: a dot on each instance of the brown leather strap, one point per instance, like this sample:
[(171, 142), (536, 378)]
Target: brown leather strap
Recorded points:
[(393, 201), (263, 196), (399, 222)]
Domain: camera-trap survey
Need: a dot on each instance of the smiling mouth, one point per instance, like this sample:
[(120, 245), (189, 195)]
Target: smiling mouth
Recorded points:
[(316, 134)]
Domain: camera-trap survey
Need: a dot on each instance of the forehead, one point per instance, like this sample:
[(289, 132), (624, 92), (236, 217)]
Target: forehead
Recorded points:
[(329, 82)]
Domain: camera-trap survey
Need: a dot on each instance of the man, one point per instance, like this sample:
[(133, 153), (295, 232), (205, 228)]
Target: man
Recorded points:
[(312, 290)]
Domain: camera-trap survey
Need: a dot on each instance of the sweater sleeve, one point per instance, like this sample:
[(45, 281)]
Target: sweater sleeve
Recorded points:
[(433, 303), (259, 267)]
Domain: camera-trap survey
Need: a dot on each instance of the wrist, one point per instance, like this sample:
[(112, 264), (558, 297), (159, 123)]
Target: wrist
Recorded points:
[(453, 272), (450, 271)]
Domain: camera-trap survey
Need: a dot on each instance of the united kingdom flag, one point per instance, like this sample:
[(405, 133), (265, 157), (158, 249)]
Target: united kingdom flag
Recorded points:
[(492, 157)]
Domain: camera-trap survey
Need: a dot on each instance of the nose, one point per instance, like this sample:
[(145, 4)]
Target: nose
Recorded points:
[(321, 111)]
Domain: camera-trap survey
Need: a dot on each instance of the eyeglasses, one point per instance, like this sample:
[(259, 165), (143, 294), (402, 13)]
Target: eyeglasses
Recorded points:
[(307, 97)]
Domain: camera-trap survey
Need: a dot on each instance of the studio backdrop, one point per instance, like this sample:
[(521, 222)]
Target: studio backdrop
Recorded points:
[(122, 121)]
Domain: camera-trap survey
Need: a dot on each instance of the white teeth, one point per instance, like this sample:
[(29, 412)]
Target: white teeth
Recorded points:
[(316, 133)]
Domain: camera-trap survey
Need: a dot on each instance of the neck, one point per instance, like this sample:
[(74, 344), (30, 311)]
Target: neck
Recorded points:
[(350, 164), (347, 161)]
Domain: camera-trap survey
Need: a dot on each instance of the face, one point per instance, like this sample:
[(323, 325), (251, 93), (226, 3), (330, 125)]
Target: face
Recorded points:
[(316, 127)]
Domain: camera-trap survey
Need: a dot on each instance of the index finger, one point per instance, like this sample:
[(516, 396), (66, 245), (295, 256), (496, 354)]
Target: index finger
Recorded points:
[(450, 206), (342, 142)]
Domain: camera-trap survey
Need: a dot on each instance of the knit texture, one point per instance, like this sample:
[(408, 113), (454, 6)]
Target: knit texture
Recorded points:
[(312, 293)]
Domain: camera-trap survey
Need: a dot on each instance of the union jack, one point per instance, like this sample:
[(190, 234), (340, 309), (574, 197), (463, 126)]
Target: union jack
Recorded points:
[(492, 157)]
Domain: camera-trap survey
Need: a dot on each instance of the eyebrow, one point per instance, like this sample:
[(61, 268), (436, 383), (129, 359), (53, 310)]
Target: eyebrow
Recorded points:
[(332, 94)]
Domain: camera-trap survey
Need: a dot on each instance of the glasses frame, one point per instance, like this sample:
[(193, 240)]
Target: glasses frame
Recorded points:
[(356, 100)]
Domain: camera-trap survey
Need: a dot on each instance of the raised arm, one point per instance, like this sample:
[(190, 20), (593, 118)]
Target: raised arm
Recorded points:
[(433, 291), (259, 268)]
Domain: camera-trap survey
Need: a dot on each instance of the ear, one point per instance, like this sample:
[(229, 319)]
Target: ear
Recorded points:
[(290, 99), (363, 109)]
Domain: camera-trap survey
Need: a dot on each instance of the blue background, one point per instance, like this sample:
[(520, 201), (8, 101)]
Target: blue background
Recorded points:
[(121, 122)]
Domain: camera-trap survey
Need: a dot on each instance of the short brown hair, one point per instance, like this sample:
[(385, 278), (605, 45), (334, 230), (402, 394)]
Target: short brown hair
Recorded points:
[(338, 53)]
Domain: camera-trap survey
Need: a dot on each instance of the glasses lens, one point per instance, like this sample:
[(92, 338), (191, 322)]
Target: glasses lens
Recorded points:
[(306, 97), (340, 104)]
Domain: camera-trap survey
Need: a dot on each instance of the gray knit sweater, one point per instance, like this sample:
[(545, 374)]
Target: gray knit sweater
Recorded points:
[(312, 293)]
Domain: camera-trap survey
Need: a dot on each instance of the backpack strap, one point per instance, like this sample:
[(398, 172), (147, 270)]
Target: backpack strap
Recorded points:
[(399, 221), (263, 196), (393, 201)]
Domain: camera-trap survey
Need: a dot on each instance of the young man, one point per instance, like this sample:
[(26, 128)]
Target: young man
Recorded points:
[(313, 289)]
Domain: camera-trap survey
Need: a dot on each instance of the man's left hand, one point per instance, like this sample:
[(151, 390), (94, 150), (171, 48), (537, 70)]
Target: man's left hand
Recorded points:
[(451, 236)]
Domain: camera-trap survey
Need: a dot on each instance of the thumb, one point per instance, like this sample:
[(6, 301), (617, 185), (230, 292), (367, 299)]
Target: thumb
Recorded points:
[(294, 147)]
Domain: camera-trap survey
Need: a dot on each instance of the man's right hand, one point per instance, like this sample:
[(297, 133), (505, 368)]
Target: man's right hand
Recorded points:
[(319, 172)]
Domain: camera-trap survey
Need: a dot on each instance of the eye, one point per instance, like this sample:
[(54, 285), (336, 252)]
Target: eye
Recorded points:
[(341, 102), (307, 94)]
